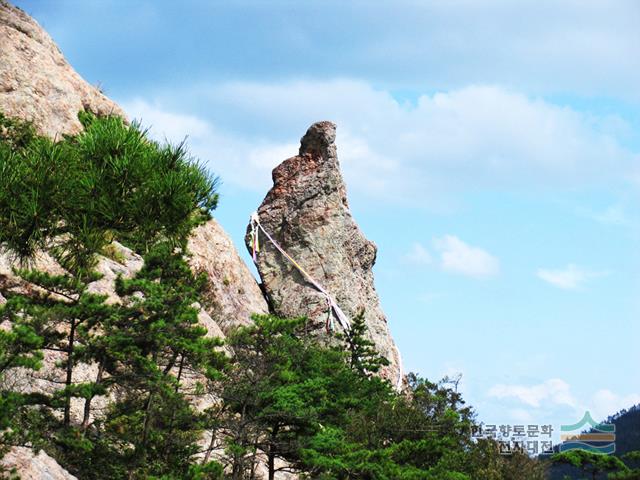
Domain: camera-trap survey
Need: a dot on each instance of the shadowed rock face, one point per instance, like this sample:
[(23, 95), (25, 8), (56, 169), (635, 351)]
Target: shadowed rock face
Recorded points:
[(307, 213), (37, 83)]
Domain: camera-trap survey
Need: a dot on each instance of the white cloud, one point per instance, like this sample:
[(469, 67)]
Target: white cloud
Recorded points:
[(572, 277), (240, 161), (544, 397), (605, 403), (458, 257), (553, 391), (418, 255), (164, 124), (469, 138)]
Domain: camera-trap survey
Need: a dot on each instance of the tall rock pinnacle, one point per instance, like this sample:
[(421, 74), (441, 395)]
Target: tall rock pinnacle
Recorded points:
[(307, 213)]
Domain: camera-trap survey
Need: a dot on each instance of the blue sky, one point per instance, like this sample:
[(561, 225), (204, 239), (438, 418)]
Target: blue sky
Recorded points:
[(491, 149)]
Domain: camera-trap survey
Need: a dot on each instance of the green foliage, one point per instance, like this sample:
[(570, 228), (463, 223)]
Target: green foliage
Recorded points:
[(270, 399), (144, 349), (15, 134), (631, 459), (486, 462), (316, 408), (73, 197), (591, 462), (363, 355)]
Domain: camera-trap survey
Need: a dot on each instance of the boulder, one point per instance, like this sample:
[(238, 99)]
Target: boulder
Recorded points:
[(31, 466), (307, 213)]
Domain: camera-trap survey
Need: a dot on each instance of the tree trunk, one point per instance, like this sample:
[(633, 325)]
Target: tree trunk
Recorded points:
[(69, 376), (271, 454), (146, 426), (87, 402), (206, 457), (271, 466), (180, 368)]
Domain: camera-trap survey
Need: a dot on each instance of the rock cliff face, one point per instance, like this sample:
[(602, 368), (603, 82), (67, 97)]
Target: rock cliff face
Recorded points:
[(232, 293), (307, 213), (37, 83), (34, 467)]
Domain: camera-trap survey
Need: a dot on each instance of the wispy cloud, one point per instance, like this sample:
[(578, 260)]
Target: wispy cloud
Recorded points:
[(418, 153), (605, 403), (418, 255), (613, 215), (458, 257), (541, 52), (555, 391), (572, 277), (241, 161)]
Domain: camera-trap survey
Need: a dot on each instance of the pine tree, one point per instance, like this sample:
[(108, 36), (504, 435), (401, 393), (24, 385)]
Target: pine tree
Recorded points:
[(364, 356), (150, 349), (71, 199)]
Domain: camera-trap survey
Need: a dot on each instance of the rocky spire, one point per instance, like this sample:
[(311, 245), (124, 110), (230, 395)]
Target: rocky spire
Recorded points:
[(307, 213)]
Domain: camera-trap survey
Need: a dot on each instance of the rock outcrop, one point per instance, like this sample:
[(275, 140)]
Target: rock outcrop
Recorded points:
[(232, 293), (30, 466), (37, 83), (307, 213)]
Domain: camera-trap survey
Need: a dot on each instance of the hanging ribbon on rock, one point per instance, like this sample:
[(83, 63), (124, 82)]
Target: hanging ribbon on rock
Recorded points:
[(333, 309)]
